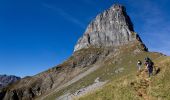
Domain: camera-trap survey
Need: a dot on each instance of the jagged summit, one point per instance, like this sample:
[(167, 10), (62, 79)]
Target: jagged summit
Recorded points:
[(113, 27)]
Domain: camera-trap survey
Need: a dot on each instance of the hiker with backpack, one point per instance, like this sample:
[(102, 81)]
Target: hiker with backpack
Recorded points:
[(139, 65), (149, 64)]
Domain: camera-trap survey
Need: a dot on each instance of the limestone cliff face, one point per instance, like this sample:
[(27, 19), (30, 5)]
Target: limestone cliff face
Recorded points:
[(113, 27)]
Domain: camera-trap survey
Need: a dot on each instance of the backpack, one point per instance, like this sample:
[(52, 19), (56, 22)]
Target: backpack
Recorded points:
[(149, 61)]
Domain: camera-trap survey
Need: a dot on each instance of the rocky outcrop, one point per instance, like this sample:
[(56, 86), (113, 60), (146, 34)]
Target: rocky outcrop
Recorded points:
[(111, 28), (5, 80)]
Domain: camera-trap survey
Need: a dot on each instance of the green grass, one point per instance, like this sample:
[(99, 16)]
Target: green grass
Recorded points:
[(118, 89), (125, 60), (160, 87), (121, 89)]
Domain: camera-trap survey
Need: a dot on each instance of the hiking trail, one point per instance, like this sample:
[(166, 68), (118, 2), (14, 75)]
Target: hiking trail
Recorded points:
[(142, 85)]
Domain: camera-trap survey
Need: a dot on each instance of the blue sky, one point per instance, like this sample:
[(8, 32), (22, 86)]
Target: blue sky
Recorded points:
[(38, 34)]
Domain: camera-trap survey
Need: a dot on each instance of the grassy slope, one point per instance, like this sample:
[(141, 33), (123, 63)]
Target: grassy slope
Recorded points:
[(121, 88), (126, 59), (160, 86)]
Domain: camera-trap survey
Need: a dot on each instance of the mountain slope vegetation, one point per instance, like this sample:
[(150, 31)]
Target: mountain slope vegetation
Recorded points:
[(126, 59), (137, 85)]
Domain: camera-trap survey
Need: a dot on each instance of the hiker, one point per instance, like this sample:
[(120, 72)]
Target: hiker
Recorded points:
[(149, 64), (139, 65)]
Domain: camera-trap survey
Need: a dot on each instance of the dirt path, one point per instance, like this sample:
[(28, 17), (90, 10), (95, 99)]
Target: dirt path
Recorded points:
[(142, 85)]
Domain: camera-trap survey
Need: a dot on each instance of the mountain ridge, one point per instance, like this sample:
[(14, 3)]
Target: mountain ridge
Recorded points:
[(7, 79)]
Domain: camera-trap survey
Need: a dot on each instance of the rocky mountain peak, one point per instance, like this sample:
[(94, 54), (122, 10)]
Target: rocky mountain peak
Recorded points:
[(111, 28)]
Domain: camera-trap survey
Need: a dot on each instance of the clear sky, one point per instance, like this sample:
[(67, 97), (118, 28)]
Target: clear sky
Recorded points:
[(38, 34)]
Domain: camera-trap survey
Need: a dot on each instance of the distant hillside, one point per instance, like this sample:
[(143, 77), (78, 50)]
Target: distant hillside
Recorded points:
[(5, 80)]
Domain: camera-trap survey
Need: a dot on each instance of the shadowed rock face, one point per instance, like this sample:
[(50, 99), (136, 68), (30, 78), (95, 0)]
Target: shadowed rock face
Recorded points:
[(113, 27)]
